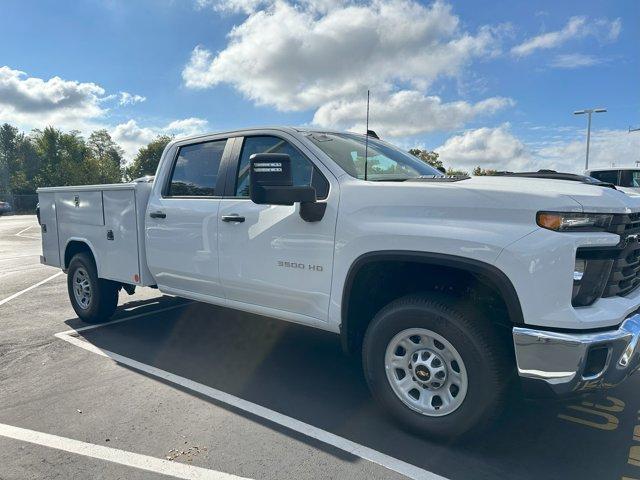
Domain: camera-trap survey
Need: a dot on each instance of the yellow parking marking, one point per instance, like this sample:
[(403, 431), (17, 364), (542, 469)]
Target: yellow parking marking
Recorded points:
[(610, 420)]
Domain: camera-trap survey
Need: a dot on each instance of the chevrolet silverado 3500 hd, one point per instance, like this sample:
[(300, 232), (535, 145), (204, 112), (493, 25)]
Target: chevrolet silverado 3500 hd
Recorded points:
[(449, 287)]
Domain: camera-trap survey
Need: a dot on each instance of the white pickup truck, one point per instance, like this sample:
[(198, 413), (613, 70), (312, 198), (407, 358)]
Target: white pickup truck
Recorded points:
[(451, 288)]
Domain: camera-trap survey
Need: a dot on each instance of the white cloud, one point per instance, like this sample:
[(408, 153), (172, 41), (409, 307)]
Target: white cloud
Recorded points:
[(575, 60), (404, 113), (607, 148), (500, 149), (29, 101), (576, 27), (307, 55), (187, 126), (246, 6), (131, 136), (127, 98), (494, 148)]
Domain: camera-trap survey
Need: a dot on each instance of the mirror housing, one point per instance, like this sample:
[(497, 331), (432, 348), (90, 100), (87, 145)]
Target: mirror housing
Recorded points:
[(271, 182)]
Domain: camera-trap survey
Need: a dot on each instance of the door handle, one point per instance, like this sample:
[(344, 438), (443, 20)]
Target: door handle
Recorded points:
[(233, 218), (158, 214)]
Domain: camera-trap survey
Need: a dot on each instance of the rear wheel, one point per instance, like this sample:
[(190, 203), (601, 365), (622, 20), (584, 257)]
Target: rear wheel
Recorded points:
[(434, 366), (93, 299)]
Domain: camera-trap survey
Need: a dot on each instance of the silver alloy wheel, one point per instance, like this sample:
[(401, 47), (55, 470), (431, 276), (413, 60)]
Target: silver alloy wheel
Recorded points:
[(82, 288), (426, 372)]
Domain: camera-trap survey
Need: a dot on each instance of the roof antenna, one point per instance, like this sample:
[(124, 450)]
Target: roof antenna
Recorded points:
[(366, 140)]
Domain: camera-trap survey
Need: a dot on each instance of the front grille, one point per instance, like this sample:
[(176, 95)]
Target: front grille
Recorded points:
[(625, 272)]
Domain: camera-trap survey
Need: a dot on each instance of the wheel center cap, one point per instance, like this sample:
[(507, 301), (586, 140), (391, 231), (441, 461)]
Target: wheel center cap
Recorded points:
[(423, 373)]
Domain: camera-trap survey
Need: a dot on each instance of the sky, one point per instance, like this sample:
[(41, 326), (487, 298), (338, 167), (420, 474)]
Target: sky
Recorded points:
[(490, 84)]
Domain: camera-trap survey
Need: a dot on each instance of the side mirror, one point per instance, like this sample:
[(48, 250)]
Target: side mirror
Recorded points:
[(271, 183)]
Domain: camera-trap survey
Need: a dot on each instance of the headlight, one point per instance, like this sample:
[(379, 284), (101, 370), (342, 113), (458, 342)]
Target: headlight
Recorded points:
[(574, 221)]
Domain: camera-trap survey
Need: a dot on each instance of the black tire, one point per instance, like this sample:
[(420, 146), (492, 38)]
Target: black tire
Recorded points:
[(104, 293), (486, 360)]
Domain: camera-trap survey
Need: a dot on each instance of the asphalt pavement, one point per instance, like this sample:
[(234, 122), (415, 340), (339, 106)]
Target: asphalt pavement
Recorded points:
[(173, 388)]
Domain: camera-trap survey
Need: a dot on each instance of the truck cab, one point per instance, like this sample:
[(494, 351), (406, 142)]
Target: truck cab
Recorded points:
[(625, 179)]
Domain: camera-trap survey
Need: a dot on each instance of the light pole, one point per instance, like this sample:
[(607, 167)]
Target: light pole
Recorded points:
[(589, 111), (635, 130)]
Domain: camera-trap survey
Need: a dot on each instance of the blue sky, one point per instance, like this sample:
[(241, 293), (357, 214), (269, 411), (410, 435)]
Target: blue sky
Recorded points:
[(484, 85)]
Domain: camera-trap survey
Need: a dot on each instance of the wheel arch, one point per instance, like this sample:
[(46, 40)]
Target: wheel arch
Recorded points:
[(77, 245), (487, 274)]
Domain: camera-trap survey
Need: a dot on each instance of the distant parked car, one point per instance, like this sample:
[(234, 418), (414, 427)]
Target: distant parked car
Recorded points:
[(5, 207), (625, 179)]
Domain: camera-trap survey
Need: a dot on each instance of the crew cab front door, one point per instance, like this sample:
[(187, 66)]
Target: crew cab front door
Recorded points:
[(271, 260)]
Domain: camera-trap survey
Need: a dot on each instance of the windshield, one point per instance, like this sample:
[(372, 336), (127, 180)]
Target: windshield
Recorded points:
[(384, 161)]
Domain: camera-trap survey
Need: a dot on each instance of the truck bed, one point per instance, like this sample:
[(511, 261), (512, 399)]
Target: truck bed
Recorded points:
[(109, 219)]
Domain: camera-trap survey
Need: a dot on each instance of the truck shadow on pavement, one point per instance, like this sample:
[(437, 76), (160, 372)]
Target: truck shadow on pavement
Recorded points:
[(302, 372)]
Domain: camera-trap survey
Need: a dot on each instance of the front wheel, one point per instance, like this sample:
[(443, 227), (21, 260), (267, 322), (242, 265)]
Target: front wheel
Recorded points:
[(436, 368), (94, 299)]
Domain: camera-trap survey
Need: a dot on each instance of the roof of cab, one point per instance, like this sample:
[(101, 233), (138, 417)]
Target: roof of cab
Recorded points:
[(282, 128), (612, 169)]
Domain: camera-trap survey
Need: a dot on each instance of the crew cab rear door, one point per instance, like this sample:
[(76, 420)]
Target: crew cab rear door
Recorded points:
[(181, 223), (271, 260)]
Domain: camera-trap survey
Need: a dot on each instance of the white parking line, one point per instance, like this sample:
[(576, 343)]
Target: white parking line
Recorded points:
[(23, 230), (130, 459), (22, 235), (324, 436), (11, 297)]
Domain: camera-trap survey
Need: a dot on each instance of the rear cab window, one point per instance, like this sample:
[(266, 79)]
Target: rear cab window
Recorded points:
[(195, 171)]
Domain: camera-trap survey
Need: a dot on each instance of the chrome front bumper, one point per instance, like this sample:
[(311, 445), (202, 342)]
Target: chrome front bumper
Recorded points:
[(566, 363)]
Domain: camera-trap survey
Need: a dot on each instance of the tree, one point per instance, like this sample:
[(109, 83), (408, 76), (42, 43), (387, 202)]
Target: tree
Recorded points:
[(8, 138), (479, 172), (147, 159), (457, 173), (428, 157), (107, 156)]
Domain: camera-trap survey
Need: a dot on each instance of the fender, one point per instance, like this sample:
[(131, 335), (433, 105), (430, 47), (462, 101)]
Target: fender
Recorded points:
[(494, 275)]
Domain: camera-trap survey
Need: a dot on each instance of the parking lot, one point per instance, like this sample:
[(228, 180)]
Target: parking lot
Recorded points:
[(173, 388)]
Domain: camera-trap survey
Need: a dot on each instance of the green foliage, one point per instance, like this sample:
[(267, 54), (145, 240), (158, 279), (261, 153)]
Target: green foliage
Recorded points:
[(479, 172), (428, 157), (107, 156), (147, 159), (432, 158), (452, 172), (51, 157)]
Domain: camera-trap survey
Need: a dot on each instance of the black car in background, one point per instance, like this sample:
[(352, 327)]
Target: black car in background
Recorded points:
[(5, 207)]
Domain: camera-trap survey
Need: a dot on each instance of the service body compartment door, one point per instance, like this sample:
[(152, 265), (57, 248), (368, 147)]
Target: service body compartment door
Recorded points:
[(49, 229), (80, 208), (119, 244)]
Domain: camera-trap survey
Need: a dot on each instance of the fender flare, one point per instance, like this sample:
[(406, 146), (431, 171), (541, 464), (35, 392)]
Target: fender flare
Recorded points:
[(490, 272), (79, 240)]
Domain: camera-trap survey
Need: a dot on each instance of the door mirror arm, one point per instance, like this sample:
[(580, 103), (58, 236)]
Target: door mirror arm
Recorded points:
[(312, 211)]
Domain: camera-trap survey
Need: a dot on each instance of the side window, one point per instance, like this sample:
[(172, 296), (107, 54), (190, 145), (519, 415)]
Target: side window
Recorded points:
[(609, 176), (630, 178), (303, 171), (195, 172)]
